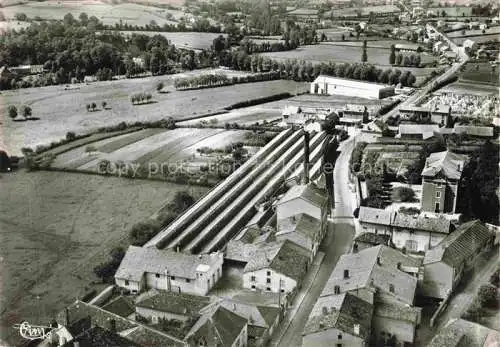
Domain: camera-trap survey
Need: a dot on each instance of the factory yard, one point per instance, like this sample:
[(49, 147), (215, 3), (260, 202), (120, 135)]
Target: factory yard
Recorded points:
[(71, 115), (57, 227)]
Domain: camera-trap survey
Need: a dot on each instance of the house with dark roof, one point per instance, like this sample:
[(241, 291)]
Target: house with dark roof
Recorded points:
[(444, 264), (462, 333), (100, 337), (412, 233), (151, 268), (277, 267), (437, 114), (387, 279), (440, 181), (218, 327), (301, 229), (303, 199), (367, 240), (171, 305), (339, 320)]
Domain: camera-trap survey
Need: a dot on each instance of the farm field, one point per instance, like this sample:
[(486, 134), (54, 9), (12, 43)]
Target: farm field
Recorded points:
[(245, 116), (478, 39), (480, 73), (56, 228), (149, 147), (106, 12), (474, 88), (326, 52), (334, 33), (71, 114), (475, 32), (370, 44), (192, 40)]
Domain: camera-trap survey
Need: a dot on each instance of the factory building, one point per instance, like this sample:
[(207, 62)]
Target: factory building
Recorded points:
[(327, 85)]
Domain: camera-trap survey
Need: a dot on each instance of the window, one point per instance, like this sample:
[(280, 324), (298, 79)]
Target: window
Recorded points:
[(391, 288), (188, 280), (268, 289), (126, 283), (157, 275), (269, 273), (268, 280), (339, 345), (339, 337), (282, 290), (252, 278), (437, 207), (253, 287), (411, 245), (172, 278), (438, 195)]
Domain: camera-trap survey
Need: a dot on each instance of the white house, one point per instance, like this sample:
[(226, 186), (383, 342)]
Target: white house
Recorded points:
[(276, 267), (342, 86), (147, 267)]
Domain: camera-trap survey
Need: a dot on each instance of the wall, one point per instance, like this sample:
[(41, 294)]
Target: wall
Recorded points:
[(288, 284), (423, 239), (429, 198), (375, 228), (133, 286), (438, 280), (153, 315), (404, 331), (330, 338)]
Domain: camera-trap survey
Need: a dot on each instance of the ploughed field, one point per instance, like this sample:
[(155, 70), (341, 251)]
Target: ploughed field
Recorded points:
[(56, 227), (60, 110), (150, 149)]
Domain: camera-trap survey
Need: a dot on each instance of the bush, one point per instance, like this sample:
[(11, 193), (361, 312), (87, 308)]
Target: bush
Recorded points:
[(70, 136), (403, 194), (142, 232), (357, 156), (487, 296), (105, 271), (12, 111)]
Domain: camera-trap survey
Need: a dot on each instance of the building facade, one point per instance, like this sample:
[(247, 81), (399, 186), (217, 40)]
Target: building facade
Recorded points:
[(328, 85)]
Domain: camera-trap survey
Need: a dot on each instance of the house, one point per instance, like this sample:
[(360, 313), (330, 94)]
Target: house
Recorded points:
[(469, 44), (354, 114), (339, 320), (402, 47), (79, 318), (277, 267), (342, 86), (441, 177), (367, 240), (303, 230), (387, 279), (148, 267), (445, 263), (438, 114), (417, 131), (461, 332), (262, 320), (474, 131), (412, 233), (219, 327), (24, 70), (307, 199), (171, 305)]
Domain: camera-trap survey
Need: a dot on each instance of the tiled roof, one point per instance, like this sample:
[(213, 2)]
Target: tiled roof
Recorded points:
[(309, 192), (121, 306), (342, 312), (139, 260), (99, 337), (364, 272), (460, 245), (136, 332), (219, 322), (448, 163), (373, 239), (302, 229), (406, 221), (462, 333), (178, 303), (397, 312), (287, 258), (261, 316), (375, 216)]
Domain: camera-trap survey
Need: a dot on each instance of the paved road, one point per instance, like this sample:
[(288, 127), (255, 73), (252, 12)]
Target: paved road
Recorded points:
[(338, 242)]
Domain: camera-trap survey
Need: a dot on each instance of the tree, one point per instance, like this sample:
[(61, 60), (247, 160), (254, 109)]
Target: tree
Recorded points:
[(399, 59), (142, 232), (392, 56), (104, 104), (181, 202), (84, 18), (93, 106), (70, 136), (487, 295), (404, 194), (364, 56), (343, 37), (88, 107), (12, 111), (26, 111), (160, 86), (90, 149), (21, 16)]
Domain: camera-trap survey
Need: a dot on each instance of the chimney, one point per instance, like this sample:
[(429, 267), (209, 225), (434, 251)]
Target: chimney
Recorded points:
[(305, 174), (66, 317), (378, 261), (346, 274)]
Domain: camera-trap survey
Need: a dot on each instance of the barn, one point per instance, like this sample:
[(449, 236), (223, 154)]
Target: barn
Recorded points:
[(342, 86)]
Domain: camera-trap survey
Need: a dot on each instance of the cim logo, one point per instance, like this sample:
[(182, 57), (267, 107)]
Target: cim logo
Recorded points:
[(33, 332)]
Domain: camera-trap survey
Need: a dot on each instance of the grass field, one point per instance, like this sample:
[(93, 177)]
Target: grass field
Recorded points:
[(106, 12), (480, 73), (192, 40), (327, 52), (55, 228), (62, 110)]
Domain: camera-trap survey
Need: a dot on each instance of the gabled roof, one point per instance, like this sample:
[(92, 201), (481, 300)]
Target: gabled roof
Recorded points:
[(462, 333), (222, 324), (426, 130), (397, 312), (364, 271), (460, 245), (97, 336), (301, 229), (448, 163), (375, 215), (139, 260), (436, 225), (178, 303), (286, 258), (309, 192), (373, 239), (342, 312), (121, 306), (256, 315)]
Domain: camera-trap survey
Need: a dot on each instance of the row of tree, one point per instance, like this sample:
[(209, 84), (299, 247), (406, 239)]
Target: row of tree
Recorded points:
[(140, 98), (213, 80), (24, 110), (404, 60)]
